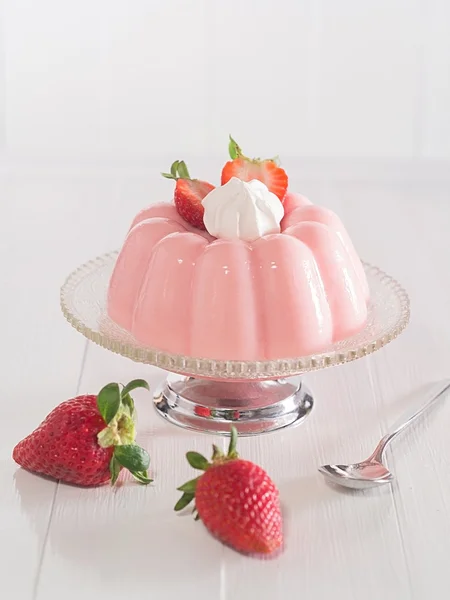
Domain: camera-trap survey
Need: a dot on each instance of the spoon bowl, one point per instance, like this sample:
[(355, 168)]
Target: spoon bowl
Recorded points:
[(358, 476)]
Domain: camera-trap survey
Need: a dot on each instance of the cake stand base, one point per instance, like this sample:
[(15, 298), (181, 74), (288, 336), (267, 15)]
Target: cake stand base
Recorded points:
[(253, 407)]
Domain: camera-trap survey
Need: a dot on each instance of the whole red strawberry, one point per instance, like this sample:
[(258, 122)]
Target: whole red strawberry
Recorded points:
[(189, 194), (236, 500), (267, 171), (87, 440)]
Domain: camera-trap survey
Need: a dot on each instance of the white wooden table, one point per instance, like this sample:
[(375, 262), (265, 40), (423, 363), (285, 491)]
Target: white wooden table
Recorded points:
[(58, 541)]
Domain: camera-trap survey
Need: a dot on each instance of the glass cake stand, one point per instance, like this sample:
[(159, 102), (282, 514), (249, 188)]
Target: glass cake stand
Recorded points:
[(209, 395)]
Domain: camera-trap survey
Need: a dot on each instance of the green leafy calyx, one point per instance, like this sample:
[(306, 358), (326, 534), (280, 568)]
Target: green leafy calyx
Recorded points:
[(116, 406), (198, 461), (178, 170)]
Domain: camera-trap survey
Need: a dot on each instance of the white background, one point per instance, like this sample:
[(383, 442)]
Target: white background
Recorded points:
[(115, 80), (96, 98)]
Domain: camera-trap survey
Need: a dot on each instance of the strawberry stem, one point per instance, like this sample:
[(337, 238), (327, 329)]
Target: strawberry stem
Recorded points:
[(232, 453), (121, 430)]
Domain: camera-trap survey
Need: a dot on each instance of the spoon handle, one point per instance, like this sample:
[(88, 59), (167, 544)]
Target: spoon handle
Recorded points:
[(406, 420)]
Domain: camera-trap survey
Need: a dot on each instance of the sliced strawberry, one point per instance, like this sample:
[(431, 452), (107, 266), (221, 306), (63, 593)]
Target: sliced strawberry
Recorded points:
[(188, 194), (188, 197), (247, 169)]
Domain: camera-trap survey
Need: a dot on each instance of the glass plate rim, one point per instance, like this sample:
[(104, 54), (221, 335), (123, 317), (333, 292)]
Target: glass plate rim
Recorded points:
[(233, 369)]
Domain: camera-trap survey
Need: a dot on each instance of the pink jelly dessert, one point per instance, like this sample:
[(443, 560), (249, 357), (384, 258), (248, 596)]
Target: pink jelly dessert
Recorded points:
[(284, 295), (178, 289)]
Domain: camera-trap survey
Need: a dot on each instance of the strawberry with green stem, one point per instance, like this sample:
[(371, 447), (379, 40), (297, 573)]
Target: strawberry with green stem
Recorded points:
[(236, 500), (267, 170), (188, 194), (88, 440)]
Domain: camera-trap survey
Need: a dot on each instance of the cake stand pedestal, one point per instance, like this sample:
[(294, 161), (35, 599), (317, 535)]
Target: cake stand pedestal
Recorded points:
[(252, 406), (209, 395)]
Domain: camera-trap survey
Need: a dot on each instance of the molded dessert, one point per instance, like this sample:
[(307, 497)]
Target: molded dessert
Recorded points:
[(178, 289)]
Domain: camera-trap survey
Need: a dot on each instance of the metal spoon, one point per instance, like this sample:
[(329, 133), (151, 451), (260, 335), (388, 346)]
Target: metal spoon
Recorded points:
[(372, 472)]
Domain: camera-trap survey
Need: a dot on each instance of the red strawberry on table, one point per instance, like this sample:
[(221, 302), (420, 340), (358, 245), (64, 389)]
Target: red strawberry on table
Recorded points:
[(88, 440), (236, 500), (267, 171), (189, 194)]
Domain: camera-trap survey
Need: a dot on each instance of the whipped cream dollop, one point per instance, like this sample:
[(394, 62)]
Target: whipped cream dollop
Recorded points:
[(243, 210)]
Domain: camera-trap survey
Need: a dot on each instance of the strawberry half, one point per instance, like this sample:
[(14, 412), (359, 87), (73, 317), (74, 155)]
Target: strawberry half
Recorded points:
[(267, 171), (189, 194), (236, 500), (87, 440)]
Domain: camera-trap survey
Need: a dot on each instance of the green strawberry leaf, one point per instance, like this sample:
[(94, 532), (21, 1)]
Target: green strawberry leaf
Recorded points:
[(127, 402), (233, 149), (142, 477), (189, 486), (185, 499), (197, 461), (168, 175), (132, 457), (183, 172), (174, 168), (136, 383), (108, 401), (114, 469)]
